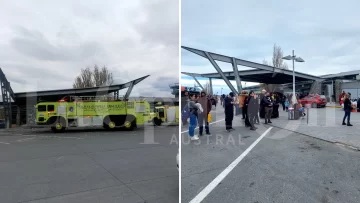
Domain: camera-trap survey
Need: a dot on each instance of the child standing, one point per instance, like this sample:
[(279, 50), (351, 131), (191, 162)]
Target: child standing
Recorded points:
[(287, 105)]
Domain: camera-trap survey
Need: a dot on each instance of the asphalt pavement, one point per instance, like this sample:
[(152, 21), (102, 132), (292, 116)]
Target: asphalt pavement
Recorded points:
[(89, 166), (283, 166)]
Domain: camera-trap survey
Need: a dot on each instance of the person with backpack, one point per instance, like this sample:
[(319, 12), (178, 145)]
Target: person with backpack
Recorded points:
[(184, 112), (203, 117), (194, 111)]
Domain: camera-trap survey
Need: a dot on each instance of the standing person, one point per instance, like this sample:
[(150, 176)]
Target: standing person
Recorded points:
[(252, 109), (262, 106), (206, 106), (283, 99), (347, 108), (229, 111), (268, 103), (237, 109), (276, 103), (246, 110), (184, 101), (242, 103), (257, 116), (193, 116), (223, 100)]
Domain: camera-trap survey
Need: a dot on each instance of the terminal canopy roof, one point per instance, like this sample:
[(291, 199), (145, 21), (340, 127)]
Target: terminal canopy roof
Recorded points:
[(55, 95), (260, 73)]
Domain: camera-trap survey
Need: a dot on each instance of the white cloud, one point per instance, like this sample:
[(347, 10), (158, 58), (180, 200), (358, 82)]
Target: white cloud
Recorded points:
[(324, 33), (45, 45)]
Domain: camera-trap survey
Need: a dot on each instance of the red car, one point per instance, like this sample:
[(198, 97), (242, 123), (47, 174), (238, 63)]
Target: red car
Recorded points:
[(315, 101)]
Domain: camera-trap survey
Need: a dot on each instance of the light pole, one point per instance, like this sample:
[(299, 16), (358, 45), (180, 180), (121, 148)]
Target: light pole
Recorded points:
[(297, 59)]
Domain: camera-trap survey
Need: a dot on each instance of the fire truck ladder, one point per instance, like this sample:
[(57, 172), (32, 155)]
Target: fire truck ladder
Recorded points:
[(7, 95)]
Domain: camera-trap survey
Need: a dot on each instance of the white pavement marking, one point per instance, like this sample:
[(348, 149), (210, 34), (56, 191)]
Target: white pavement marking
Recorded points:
[(209, 124), (206, 191), (59, 137), (4, 143), (22, 140)]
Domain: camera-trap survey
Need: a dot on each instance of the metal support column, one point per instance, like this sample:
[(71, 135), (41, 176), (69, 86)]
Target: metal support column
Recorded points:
[(216, 66), (196, 80), (211, 87), (236, 73), (6, 103), (116, 95), (18, 116), (126, 97)]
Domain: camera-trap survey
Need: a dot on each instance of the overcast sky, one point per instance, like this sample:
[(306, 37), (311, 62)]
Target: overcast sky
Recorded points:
[(325, 34), (44, 44)]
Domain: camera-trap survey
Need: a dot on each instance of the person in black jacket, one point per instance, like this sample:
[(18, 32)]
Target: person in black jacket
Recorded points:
[(253, 109), (347, 109), (268, 103), (257, 116), (229, 111), (262, 106), (246, 109)]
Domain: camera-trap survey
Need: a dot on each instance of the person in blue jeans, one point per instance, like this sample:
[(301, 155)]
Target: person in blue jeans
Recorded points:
[(347, 109), (193, 116)]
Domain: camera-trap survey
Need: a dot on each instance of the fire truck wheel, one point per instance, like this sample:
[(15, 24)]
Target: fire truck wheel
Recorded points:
[(128, 125), (58, 128), (111, 125), (157, 121)]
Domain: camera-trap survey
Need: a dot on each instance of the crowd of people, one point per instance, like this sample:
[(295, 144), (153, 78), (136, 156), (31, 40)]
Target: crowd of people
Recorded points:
[(253, 107), (250, 106), (197, 108)]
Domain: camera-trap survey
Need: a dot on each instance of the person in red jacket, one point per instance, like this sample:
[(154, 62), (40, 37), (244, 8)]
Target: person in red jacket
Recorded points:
[(203, 117)]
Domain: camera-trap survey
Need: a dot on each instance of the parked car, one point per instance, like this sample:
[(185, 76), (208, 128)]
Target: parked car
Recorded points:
[(2, 123), (315, 100)]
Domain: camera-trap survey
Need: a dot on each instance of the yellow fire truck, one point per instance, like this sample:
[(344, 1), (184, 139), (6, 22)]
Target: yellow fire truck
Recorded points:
[(92, 112), (165, 114)]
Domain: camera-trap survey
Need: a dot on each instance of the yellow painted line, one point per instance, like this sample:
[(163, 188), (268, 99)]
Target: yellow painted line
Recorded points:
[(334, 107)]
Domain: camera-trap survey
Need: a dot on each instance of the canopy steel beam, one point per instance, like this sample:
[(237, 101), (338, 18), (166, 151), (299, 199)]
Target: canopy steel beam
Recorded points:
[(197, 81), (236, 73), (228, 74), (227, 59), (132, 84), (212, 61)]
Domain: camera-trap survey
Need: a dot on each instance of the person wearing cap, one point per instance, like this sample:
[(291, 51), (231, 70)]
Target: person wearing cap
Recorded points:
[(229, 111), (203, 117)]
